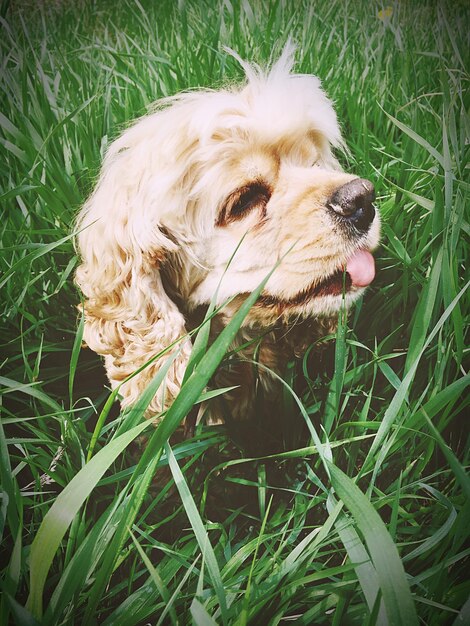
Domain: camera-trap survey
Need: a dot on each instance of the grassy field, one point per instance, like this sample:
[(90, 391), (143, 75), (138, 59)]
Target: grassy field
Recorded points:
[(363, 521)]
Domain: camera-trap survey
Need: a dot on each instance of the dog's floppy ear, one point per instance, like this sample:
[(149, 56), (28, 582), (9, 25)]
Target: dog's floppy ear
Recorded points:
[(128, 316)]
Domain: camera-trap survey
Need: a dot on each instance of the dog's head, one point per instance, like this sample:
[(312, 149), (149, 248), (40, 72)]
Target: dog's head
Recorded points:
[(186, 184)]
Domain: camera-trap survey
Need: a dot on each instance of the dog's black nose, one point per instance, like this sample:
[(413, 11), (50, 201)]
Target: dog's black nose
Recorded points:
[(353, 202)]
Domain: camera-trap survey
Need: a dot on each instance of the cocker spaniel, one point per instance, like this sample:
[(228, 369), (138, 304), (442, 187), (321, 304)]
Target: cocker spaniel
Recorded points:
[(180, 189)]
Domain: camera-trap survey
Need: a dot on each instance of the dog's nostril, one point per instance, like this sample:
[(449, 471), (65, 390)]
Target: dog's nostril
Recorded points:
[(354, 203)]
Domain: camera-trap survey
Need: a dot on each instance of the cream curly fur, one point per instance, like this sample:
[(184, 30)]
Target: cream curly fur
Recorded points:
[(163, 201)]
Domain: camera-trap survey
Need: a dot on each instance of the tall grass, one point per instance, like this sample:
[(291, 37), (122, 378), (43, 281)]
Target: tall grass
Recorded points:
[(362, 520)]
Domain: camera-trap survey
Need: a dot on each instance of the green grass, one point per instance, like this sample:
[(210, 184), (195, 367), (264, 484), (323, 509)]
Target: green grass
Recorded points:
[(363, 519)]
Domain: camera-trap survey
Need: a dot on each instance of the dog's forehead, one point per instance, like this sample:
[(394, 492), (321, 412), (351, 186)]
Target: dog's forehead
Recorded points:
[(258, 162), (259, 159)]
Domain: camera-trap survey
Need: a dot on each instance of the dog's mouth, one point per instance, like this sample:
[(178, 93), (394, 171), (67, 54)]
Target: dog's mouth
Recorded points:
[(358, 272)]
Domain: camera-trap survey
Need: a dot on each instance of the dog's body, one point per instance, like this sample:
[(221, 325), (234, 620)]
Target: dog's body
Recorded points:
[(181, 189)]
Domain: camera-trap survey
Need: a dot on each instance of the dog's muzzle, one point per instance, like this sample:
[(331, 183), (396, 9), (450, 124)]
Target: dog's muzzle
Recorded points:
[(353, 205)]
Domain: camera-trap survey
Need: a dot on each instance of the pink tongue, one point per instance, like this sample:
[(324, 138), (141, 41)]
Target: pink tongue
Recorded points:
[(361, 268)]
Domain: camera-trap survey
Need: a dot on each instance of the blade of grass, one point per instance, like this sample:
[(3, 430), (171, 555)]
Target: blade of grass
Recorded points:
[(365, 572), (33, 256), (417, 138), (83, 562), (22, 616), (460, 474), (337, 382), (139, 483), (464, 615), (200, 532), (60, 515), (244, 616), (200, 615), (397, 599), (159, 584), (423, 312), (31, 389), (401, 393), (77, 345)]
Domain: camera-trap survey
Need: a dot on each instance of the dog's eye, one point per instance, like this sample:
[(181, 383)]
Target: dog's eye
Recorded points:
[(239, 203), (249, 197)]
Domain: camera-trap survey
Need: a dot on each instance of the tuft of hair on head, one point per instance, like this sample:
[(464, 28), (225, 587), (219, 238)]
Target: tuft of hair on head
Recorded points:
[(281, 100), (280, 67)]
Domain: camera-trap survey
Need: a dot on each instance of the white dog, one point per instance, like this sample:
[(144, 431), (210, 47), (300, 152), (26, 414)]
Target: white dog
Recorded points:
[(177, 193)]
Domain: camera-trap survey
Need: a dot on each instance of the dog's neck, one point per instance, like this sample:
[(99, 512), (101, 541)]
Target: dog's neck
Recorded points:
[(255, 362)]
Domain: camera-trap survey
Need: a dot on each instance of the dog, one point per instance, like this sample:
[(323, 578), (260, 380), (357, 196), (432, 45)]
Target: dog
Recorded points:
[(249, 165)]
